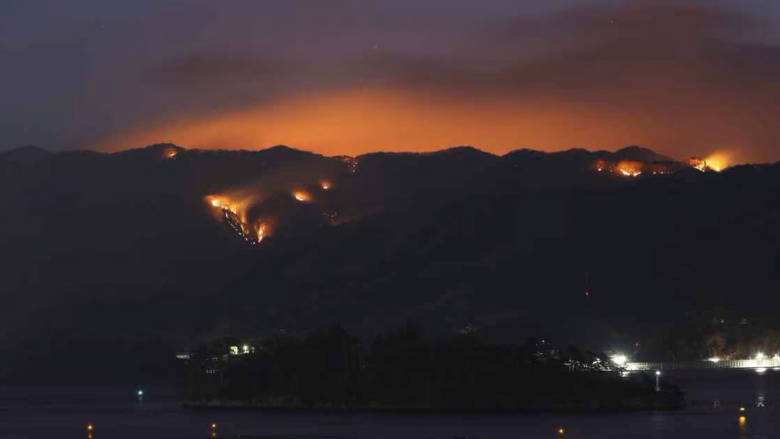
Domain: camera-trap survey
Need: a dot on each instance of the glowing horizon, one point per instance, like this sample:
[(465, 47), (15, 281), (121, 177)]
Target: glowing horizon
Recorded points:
[(417, 126)]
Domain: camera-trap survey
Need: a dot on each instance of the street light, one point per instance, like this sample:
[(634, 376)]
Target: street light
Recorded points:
[(657, 380)]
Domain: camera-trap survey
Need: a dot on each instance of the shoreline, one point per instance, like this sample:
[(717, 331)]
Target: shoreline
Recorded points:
[(237, 405)]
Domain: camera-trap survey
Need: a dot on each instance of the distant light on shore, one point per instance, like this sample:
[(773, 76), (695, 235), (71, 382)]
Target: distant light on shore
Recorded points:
[(619, 359)]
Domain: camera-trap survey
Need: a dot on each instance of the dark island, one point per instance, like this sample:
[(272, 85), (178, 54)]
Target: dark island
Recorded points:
[(402, 371)]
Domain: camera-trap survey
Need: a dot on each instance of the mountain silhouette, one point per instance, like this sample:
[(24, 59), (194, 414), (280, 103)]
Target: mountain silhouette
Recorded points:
[(126, 257)]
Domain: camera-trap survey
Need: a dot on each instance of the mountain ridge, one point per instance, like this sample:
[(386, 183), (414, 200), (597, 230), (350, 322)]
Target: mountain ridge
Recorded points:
[(96, 242), (632, 152)]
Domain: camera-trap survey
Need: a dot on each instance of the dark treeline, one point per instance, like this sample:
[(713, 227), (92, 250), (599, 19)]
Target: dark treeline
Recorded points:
[(403, 371)]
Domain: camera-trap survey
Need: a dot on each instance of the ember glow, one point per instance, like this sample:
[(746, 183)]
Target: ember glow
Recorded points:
[(234, 214), (630, 168), (698, 163), (221, 202), (716, 161), (302, 196), (225, 203), (170, 152), (351, 162), (719, 160), (261, 230), (325, 184)]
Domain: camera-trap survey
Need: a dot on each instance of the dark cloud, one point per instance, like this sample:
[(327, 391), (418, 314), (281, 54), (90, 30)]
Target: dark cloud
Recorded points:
[(684, 77), (210, 67), (595, 45), (641, 19)]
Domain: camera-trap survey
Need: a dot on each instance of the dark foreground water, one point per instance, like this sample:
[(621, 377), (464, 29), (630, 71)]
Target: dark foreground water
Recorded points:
[(62, 413)]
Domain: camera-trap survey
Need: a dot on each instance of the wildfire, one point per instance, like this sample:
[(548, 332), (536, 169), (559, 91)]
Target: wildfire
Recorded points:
[(261, 230), (224, 203), (325, 184), (719, 160), (351, 162), (630, 168), (698, 163), (170, 153), (600, 165), (303, 197), (233, 213)]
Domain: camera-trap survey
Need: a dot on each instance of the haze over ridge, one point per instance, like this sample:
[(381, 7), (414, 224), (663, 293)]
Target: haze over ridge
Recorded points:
[(686, 78)]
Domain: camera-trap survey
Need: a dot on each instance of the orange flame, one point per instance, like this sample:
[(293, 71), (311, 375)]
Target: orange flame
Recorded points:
[(219, 201), (698, 163), (719, 160), (302, 196), (325, 184), (261, 229), (236, 207), (170, 152), (630, 168)]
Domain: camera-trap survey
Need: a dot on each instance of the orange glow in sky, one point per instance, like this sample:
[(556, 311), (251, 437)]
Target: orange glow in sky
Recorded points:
[(355, 122), (363, 120)]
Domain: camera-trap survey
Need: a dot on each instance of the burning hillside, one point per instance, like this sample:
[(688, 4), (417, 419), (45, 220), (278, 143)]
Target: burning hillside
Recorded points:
[(170, 152), (717, 161), (261, 230), (233, 213), (698, 163), (636, 168), (251, 216), (630, 168), (351, 162), (626, 168), (720, 160)]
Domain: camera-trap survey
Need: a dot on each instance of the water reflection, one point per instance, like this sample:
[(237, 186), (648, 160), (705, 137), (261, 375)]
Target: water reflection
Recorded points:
[(742, 426), (35, 413)]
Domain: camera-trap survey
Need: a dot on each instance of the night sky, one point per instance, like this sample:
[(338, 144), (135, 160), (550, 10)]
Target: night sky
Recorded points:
[(352, 76)]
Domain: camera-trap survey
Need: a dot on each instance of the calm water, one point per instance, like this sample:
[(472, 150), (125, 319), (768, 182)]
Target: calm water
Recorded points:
[(62, 413)]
